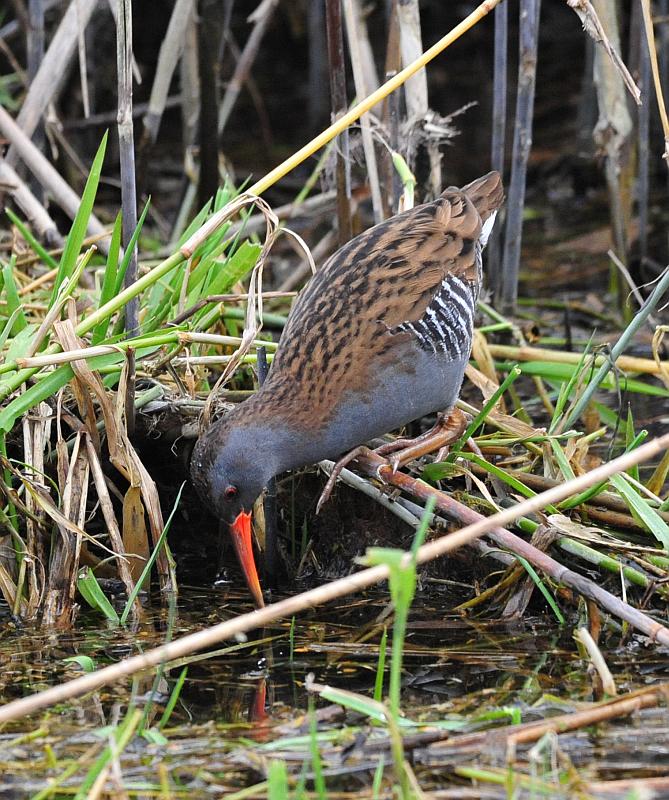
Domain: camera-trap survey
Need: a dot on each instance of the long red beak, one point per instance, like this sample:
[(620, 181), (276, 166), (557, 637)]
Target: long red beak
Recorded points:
[(240, 530)]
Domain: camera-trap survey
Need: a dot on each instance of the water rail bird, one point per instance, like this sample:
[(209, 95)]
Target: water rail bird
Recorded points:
[(380, 336)]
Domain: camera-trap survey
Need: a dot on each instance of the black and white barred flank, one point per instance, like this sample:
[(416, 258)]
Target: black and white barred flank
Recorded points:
[(447, 325)]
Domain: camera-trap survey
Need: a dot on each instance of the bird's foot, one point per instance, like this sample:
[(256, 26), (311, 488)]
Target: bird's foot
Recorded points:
[(448, 429), (343, 462)]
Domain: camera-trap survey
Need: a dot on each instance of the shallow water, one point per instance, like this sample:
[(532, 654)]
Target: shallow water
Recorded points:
[(245, 704)]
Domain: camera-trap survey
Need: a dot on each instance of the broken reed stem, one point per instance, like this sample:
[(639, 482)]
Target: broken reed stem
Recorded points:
[(634, 701), (337, 72), (367, 577), (522, 143), (43, 170), (594, 508), (52, 73), (527, 732), (597, 660), (509, 541)]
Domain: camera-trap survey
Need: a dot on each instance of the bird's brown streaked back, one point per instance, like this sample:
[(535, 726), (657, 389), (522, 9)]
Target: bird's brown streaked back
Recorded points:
[(340, 328)]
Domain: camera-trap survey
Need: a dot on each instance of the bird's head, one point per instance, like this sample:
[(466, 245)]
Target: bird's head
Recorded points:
[(229, 473)]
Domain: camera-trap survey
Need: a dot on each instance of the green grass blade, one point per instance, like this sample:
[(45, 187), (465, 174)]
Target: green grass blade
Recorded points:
[(20, 343), (51, 383), (629, 438), (109, 281), (510, 480), (120, 275), (373, 709), (14, 303), (85, 662), (481, 417), (174, 697), (562, 460), (77, 233), (90, 590), (563, 372), (121, 737), (380, 667), (593, 491), (277, 781), (542, 588), (152, 558), (566, 389), (641, 510), (378, 778), (316, 762), (9, 324)]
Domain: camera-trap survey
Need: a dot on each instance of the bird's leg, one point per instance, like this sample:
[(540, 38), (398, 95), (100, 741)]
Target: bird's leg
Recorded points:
[(448, 429), (336, 472)]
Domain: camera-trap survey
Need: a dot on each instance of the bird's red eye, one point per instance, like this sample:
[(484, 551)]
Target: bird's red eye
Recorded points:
[(230, 492)]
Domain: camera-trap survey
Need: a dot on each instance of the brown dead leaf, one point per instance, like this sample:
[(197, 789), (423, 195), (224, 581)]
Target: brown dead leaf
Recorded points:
[(135, 534)]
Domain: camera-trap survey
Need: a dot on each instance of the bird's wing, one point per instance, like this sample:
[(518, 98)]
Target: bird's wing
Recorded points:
[(387, 285)]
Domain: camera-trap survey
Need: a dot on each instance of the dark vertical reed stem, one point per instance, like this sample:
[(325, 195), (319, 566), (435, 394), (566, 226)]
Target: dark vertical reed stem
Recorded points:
[(208, 43), (644, 138), (522, 143), (35, 55), (128, 188), (317, 64), (335, 38), (271, 546), (497, 146)]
